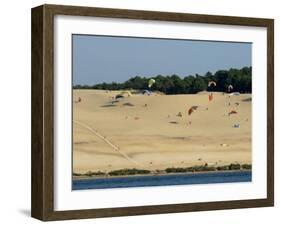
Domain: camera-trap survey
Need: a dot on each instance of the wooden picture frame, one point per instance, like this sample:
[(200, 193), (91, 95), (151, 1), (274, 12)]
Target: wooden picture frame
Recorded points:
[(43, 107)]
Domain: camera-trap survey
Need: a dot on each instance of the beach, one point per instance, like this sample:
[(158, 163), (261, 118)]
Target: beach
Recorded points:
[(155, 132)]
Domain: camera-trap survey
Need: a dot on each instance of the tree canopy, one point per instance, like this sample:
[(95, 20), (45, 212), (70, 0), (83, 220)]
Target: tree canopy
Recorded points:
[(240, 79)]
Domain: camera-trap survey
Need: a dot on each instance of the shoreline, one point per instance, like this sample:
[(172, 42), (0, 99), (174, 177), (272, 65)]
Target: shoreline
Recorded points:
[(79, 178)]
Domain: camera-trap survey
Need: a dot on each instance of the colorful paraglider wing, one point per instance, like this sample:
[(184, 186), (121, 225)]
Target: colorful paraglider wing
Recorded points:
[(232, 112), (119, 96), (127, 92), (229, 88), (212, 83), (146, 92), (151, 82)]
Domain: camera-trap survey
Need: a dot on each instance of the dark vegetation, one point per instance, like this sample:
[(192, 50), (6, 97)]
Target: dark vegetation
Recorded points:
[(201, 168), (240, 79), (232, 166), (133, 171)]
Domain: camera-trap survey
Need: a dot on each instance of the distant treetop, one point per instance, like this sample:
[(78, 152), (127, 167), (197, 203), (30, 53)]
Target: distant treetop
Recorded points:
[(239, 79)]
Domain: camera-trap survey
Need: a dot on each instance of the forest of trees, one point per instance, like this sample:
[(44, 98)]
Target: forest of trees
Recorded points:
[(240, 79)]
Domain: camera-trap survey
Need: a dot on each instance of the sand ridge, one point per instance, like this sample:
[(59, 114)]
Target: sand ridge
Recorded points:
[(156, 132)]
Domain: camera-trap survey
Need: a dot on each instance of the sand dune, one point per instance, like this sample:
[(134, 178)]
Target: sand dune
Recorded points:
[(146, 132)]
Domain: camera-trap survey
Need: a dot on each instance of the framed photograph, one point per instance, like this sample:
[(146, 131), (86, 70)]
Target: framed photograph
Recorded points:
[(142, 112)]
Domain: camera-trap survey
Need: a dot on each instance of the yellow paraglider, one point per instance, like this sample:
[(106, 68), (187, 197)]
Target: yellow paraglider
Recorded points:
[(126, 92), (151, 82)]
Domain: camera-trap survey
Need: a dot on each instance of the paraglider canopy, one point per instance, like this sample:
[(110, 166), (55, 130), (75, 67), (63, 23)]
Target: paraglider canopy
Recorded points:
[(146, 92), (232, 112), (212, 84), (127, 92), (119, 96), (229, 88), (192, 109), (151, 82), (234, 94)]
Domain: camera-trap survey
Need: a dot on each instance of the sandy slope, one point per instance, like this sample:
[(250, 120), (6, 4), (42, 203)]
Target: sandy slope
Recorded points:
[(110, 136)]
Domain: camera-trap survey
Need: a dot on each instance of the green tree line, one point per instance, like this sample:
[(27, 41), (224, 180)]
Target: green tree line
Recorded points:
[(240, 79)]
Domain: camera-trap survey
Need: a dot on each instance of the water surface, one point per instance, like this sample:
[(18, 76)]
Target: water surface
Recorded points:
[(163, 180)]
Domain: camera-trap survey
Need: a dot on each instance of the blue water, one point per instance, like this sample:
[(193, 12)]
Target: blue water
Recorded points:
[(163, 180)]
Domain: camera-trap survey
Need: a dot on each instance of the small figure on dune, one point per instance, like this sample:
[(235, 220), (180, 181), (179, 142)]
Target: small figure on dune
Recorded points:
[(211, 86), (236, 125), (145, 105), (79, 100), (179, 114), (211, 97)]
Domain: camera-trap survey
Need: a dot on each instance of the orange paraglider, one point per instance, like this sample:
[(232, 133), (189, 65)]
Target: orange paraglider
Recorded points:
[(192, 109)]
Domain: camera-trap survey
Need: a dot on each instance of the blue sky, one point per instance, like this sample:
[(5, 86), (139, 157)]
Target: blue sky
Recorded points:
[(98, 59)]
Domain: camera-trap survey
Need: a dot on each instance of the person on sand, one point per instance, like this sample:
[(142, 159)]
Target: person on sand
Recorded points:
[(211, 87), (79, 100), (211, 97)]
